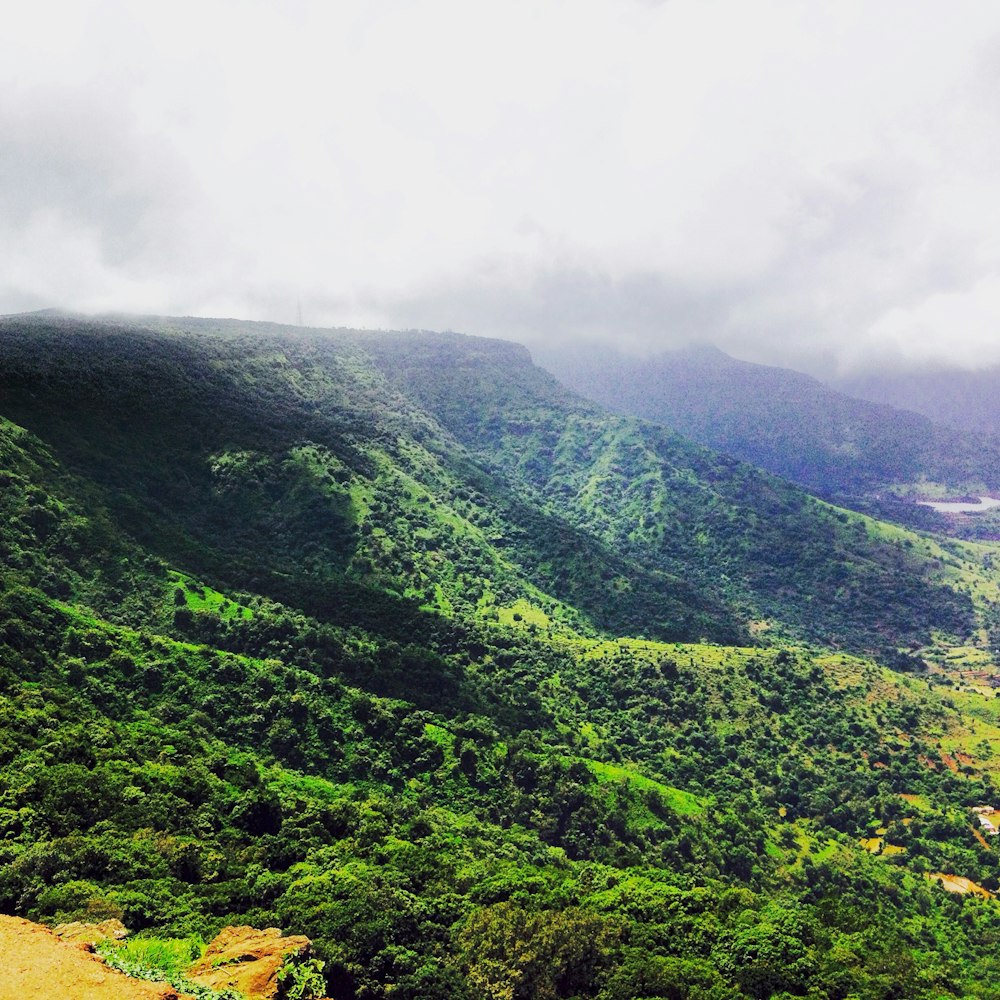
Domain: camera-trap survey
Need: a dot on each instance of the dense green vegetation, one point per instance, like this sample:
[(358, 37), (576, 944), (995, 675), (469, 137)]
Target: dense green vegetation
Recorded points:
[(761, 546), (323, 632)]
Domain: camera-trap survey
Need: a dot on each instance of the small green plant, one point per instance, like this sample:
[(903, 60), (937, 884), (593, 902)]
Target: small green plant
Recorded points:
[(167, 955), (162, 960), (302, 980)]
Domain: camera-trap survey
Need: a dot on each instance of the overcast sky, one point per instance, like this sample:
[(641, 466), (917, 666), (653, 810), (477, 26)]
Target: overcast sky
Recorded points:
[(809, 183)]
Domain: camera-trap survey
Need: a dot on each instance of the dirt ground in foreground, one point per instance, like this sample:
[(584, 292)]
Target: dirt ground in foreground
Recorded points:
[(36, 965)]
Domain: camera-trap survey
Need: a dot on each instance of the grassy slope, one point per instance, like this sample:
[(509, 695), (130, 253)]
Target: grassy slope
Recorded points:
[(321, 471)]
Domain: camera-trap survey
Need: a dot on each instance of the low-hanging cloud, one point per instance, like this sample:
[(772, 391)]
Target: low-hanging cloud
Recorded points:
[(807, 184)]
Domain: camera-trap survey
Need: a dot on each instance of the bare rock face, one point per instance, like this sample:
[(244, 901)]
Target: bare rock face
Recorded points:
[(91, 934), (247, 960)]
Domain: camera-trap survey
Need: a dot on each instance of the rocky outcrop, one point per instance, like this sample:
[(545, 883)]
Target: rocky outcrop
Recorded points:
[(248, 960), (41, 964)]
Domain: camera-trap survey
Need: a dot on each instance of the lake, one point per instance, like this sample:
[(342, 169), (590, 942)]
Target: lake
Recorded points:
[(961, 507)]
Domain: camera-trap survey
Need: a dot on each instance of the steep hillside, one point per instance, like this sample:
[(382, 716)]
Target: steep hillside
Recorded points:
[(412, 472), (667, 809), (784, 421), (284, 464), (770, 550), (331, 632)]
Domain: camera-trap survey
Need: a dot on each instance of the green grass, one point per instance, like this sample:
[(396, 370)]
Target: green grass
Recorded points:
[(681, 802), (304, 785), (523, 613), (162, 960), (198, 597), (921, 803), (171, 956)]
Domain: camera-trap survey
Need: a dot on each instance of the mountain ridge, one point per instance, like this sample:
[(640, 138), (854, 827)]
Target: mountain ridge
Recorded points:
[(958, 397), (785, 421)]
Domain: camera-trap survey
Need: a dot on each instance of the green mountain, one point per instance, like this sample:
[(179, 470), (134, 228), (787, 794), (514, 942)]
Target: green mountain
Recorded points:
[(786, 422), (443, 472), (389, 640)]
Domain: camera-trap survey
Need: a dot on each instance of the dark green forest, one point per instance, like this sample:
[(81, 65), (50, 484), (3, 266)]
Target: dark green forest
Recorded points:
[(389, 640)]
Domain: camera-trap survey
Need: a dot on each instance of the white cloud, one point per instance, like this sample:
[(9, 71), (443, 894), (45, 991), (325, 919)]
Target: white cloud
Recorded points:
[(786, 179), (967, 320)]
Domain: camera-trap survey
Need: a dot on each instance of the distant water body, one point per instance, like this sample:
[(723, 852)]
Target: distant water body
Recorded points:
[(959, 507)]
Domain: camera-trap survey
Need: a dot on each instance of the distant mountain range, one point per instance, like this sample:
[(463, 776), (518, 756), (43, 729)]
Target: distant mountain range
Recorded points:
[(784, 421), (967, 400)]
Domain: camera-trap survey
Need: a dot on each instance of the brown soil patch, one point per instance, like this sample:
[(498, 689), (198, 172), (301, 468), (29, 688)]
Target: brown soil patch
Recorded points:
[(877, 845), (959, 884), (248, 960), (37, 965), (949, 762)]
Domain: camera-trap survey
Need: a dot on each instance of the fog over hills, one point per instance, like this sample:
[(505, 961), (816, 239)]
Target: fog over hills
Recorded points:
[(957, 397), (814, 188)]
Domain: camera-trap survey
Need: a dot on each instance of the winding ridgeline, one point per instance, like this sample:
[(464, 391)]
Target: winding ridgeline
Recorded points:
[(391, 641)]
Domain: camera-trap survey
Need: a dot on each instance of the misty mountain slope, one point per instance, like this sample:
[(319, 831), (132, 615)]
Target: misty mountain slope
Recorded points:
[(772, 551), (956, 397), (378, 479), (781, 420)]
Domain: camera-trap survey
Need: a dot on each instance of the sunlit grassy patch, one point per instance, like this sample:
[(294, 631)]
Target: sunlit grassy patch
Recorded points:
[(162, 960), (521, 612), (198, 597), (678, 800)]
